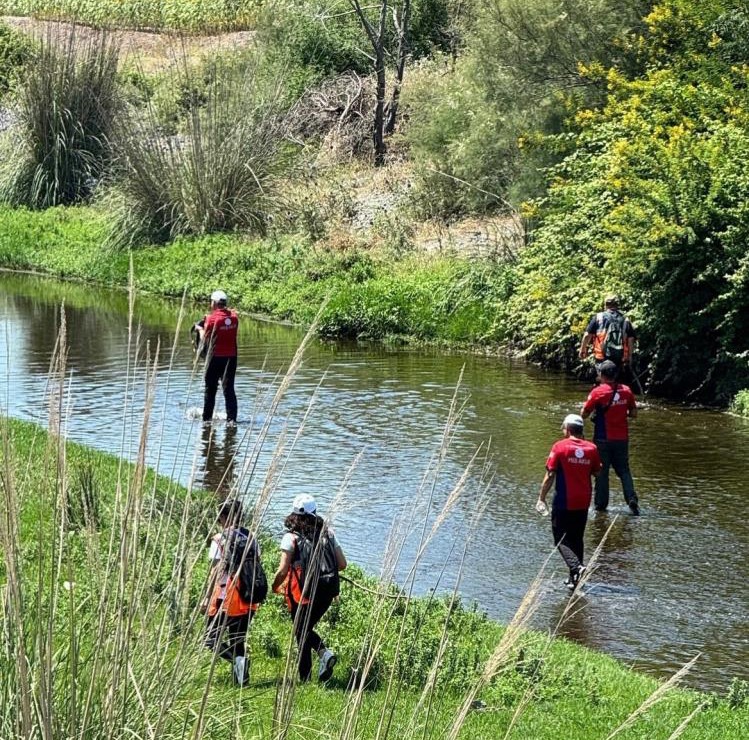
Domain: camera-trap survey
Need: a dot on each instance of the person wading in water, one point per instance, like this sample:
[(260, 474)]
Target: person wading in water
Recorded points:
[(612, 335), (613, 404), (218, 333), (569, 467)]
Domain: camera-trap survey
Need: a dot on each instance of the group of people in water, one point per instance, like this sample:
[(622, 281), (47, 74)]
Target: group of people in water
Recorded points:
[(573, 461), (311, 558)]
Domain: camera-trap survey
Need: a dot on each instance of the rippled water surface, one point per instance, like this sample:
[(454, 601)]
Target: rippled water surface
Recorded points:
[(670, 584)]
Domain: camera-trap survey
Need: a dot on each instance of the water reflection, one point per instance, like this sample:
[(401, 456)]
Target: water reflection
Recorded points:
[(219, 449)]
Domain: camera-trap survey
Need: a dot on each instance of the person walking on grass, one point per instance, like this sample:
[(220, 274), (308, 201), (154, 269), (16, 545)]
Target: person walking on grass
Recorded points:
[(569, 467), (612, 404), (229, 615), (218, 334), (612, 336), (307, 576)]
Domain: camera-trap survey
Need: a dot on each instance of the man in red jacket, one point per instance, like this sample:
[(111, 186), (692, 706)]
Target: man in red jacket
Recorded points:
[(613, 404), (218, 333), (569, 467)]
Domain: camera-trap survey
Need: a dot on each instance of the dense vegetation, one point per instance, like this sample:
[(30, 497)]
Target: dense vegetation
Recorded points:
[(618, 130), (183, 15)]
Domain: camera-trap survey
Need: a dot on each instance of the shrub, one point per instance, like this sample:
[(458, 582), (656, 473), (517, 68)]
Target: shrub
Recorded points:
[(15, 52), (740, 403), (524, 72), (217, 176), (68, 107)]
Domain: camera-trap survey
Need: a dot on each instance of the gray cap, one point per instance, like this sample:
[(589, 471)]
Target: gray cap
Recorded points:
[(573, 420), (608, 368)]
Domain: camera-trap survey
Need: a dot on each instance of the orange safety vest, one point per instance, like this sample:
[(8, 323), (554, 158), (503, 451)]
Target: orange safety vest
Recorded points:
[(225, 597), (600, 336)]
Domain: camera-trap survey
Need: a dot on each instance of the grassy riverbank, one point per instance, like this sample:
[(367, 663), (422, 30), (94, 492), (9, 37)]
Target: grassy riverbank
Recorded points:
[(119, 651), (372, 295)]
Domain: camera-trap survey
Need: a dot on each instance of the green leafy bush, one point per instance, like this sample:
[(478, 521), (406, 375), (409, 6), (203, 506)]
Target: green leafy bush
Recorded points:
[(474, 126), (652, 205), (15, 53), (740, 403)]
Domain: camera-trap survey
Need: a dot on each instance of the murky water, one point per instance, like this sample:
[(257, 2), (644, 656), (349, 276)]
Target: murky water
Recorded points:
[(670, 584)]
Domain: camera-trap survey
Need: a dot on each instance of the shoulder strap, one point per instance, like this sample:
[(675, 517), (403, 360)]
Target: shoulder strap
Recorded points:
[(605, 408)]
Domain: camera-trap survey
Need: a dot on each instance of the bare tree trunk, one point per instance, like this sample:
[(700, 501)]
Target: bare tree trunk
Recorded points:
[(380, 148), (401, 26), (377, 39)]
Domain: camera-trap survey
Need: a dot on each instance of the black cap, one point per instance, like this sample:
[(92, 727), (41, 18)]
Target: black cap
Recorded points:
[(608, 369)]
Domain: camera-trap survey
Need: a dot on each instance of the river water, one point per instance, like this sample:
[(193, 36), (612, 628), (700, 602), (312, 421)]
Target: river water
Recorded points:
[(669, 584)]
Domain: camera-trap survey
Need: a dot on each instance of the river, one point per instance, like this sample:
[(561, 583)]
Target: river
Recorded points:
[(670, 584)]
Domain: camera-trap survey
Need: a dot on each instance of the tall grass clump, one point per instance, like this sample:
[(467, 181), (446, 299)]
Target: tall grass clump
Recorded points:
[(217, 174), (68, 104)]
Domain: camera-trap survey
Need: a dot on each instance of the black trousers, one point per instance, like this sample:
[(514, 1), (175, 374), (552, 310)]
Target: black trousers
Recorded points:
[(226, 635), (221, 369), (568, 528), (305, 617)]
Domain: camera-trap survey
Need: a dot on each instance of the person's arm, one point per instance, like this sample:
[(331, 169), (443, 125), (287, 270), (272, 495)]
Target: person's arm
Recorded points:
[(546, 484), (200, 326), (630, 349), (340, 558), (631, 407), (283, 571), (585, 344)]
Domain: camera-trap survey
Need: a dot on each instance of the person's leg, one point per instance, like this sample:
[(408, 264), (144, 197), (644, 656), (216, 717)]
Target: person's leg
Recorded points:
[(620, 463), (601, 499), (560, 529), (226, 635), (306, 617), (212, 376), (227, 385), (576, 521)]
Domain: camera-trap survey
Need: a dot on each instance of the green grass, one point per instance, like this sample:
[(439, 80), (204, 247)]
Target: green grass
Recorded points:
[(574, 692), (418, 297), (194, 16)]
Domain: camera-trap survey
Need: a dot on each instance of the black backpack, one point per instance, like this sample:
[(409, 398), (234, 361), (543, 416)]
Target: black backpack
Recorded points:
[(612, 345), (316, 565), (243, 558)]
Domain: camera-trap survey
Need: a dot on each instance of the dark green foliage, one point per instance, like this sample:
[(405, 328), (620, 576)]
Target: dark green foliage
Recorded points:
[(68, 107), (312, 40), (15, 53), (475, 128), (652, 205)]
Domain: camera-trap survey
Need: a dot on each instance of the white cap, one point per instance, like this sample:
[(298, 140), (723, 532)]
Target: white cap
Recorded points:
[(218, 296), (574, 420), (304, 504)]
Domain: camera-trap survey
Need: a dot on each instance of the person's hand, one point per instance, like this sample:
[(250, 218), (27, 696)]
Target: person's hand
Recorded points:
[(542, 508)]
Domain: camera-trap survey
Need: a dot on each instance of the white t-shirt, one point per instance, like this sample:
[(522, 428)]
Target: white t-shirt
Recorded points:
[(216, 552), (288, 541)]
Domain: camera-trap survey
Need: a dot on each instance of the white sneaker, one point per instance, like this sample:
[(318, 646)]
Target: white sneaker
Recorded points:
[(240, 669), (327, 662)]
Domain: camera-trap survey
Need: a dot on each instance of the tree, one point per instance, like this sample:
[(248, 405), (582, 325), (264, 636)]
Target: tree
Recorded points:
[(377, 33)]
